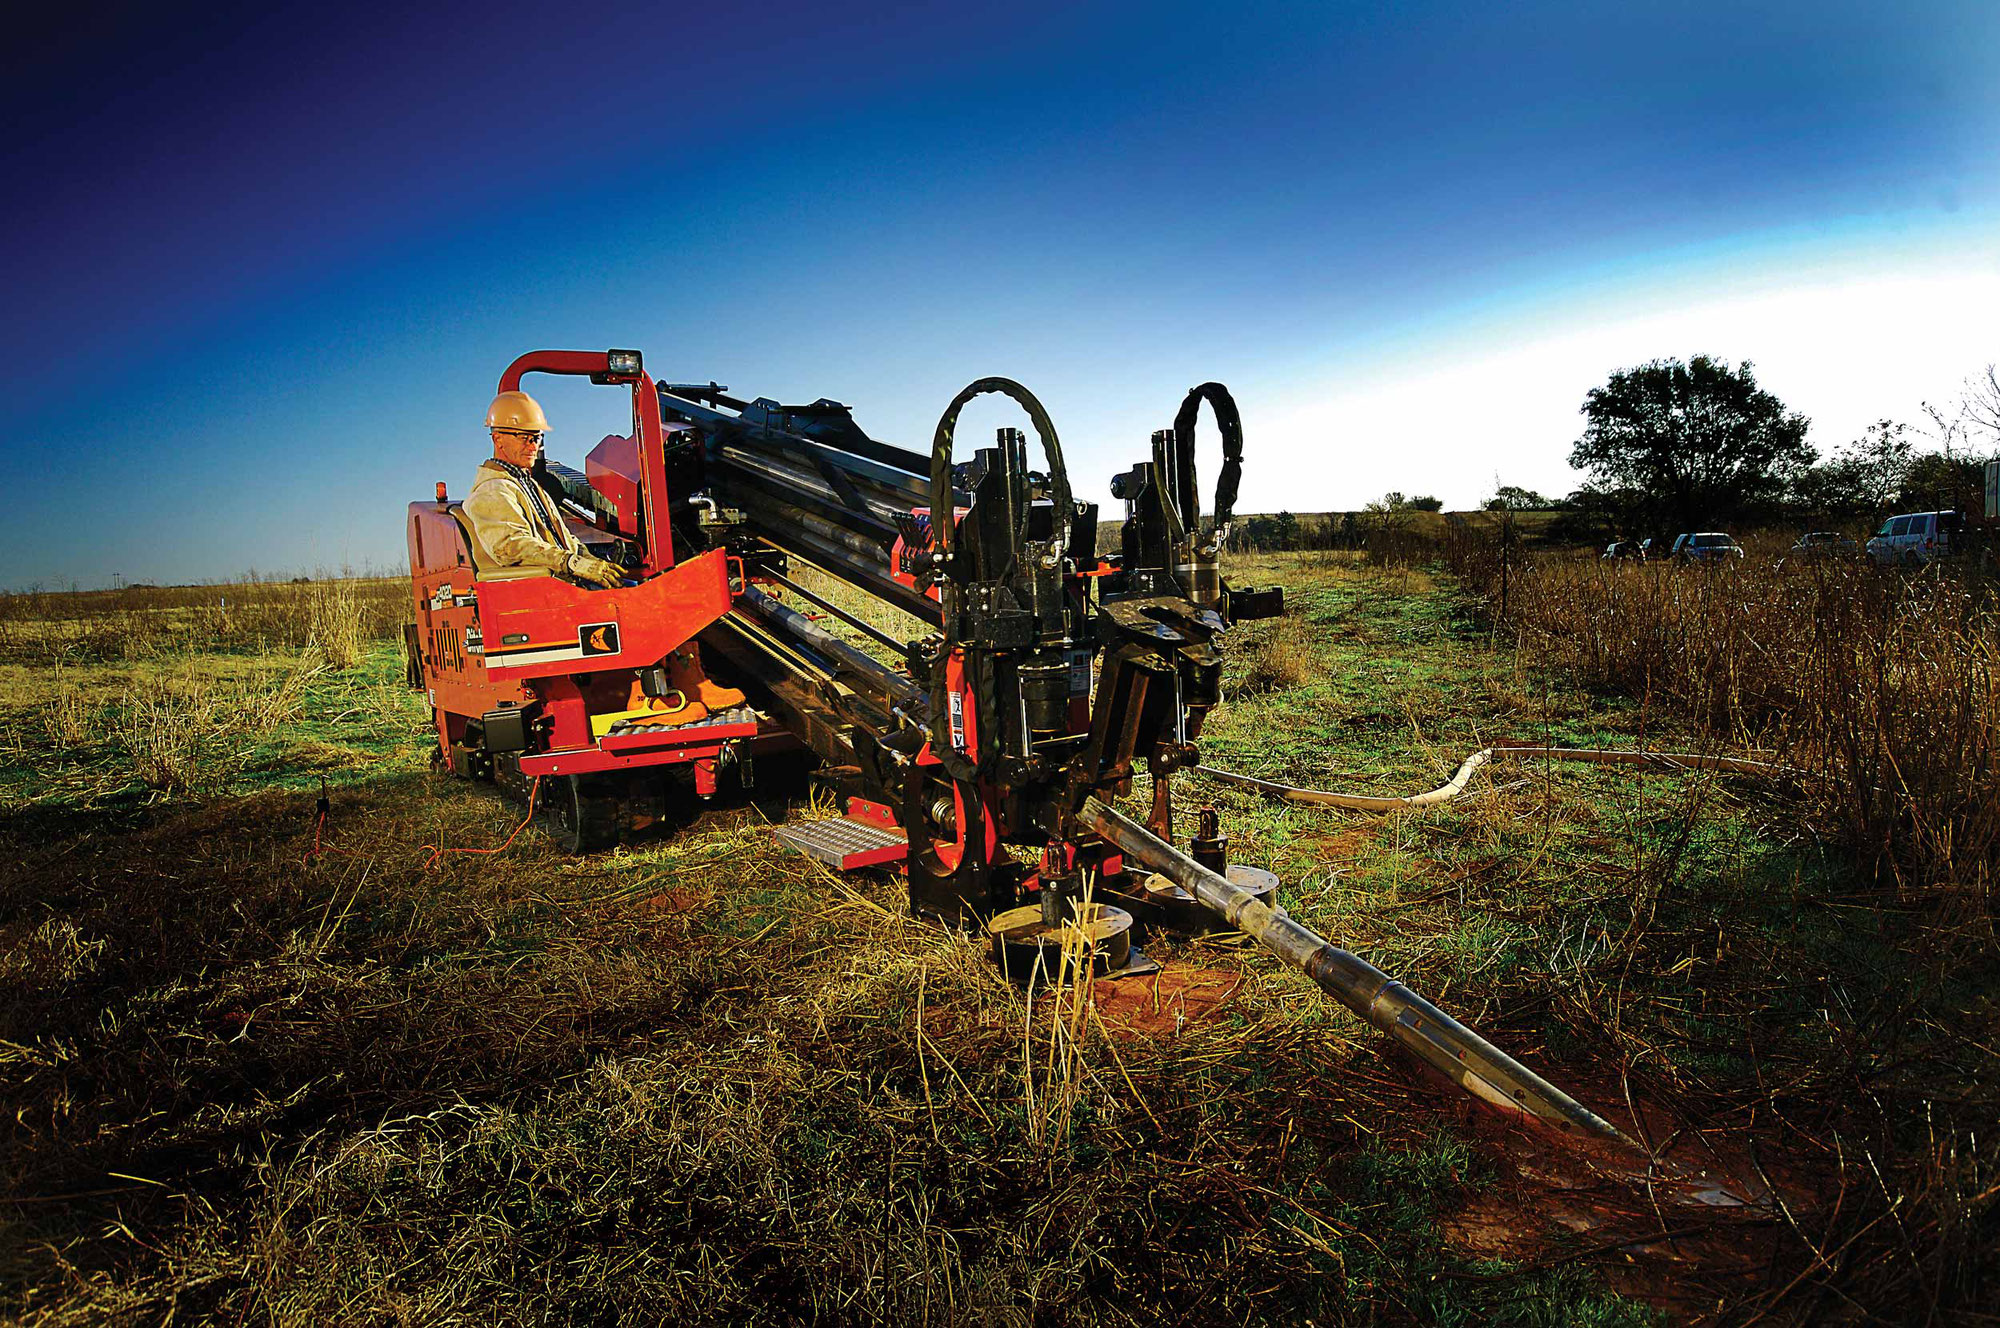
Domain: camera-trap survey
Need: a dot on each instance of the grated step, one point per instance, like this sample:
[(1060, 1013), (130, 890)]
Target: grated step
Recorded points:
[(844, 844)]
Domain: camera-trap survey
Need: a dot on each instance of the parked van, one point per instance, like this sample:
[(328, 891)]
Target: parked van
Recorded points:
[(1914, 539)]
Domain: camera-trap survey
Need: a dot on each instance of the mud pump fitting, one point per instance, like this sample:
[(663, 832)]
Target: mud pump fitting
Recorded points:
[(1440, 1041)]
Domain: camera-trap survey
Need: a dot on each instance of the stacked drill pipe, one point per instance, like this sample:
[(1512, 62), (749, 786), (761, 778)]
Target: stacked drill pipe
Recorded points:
[(819, 501)]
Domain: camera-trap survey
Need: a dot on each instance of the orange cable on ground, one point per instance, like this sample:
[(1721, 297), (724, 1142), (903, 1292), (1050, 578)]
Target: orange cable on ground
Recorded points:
[(439, 850), (1360, 802)]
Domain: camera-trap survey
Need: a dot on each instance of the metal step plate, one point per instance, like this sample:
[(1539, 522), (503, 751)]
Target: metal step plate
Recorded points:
[(843, 844)]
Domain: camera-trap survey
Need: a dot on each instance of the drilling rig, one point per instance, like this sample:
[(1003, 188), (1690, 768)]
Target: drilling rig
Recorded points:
[(981, 753)]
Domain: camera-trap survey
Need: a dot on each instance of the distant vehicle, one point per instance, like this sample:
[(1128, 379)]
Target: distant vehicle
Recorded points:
[(1710, 546), (1653, 550), (1621, 549), (1823, 544), (1916, 538)]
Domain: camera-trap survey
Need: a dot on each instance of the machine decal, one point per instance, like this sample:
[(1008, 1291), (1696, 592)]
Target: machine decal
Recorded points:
[(1079, 672), (597, 638), (548, 652)]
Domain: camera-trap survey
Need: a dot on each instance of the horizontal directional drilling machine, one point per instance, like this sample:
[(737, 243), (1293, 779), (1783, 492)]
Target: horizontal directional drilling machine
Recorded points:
[(982, 755)]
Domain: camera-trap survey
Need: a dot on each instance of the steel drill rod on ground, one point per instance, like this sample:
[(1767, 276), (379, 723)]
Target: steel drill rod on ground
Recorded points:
[(1463, 1056)]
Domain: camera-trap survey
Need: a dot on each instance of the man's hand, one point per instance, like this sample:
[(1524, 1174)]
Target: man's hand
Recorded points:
[(584, 567)]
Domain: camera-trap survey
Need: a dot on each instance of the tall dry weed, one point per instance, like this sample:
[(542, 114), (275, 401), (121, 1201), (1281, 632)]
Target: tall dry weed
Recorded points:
[(1884, 685), (166, 724), (335, 622), (65, 714), (1279, 656)]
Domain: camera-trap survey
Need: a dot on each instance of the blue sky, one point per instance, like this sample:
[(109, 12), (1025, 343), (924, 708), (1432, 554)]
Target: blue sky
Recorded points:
[(265, 266)]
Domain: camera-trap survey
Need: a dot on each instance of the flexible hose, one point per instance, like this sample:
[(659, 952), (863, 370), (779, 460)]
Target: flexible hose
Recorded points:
[(1229, 422), (942, 528), (1361, 802)]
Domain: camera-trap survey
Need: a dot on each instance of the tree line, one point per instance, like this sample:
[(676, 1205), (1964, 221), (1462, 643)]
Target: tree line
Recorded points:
[(1675, 445)]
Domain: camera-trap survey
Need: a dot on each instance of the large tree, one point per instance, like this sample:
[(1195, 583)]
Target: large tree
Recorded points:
[(1700, 441), (1861, 478)]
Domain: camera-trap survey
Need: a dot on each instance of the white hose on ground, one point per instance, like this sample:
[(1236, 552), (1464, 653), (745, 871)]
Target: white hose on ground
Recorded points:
[(1361, 802)]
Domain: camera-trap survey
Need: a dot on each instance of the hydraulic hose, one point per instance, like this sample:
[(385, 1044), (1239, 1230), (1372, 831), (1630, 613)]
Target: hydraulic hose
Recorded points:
[(942, 528), (1440, 1041), (1229, 422), (1360, 802)]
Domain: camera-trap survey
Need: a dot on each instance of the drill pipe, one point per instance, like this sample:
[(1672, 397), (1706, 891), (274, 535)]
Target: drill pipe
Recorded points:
[(1464, 1057), (841, 563), (872, 672), (861, 625)]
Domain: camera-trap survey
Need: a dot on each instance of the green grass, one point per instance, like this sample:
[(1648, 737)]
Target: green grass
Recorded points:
[(684, 1081)]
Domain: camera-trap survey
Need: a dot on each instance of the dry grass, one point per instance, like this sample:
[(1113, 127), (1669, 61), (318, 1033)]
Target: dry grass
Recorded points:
[(1277, 656), (65, 713), (335, 615), (166, 726), (696, 1080), (1885, 685), (336, 622)]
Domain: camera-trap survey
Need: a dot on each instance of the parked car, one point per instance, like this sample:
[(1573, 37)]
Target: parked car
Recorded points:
[(1621, 549), (1652, 550), (1706, 547), (1915, 538), (1823, 544)]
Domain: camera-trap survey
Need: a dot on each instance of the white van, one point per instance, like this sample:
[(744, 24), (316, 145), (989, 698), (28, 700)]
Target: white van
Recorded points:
[(1914, 539)]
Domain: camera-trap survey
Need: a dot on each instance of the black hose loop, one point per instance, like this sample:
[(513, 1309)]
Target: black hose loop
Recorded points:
[(1229, 421), (941, 497)]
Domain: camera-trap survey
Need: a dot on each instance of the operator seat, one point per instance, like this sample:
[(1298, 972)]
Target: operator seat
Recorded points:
[(489, 573)]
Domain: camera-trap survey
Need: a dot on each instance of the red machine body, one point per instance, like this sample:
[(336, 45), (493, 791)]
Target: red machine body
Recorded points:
[(522, 650)]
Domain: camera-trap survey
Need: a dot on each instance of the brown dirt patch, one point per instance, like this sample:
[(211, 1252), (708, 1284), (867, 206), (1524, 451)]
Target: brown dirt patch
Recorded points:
[(1706, 1221), (1165, 1003), (1346, 845)]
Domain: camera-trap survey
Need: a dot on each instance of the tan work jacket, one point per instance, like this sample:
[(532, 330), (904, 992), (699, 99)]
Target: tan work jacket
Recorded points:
[(508, 531)]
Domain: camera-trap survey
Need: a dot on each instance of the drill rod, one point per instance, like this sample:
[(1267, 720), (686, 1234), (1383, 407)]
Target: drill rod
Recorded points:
[(1464, 1057)]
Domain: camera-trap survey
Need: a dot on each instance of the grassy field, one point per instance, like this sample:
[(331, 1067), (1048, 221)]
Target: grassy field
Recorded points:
[(256, 1068)]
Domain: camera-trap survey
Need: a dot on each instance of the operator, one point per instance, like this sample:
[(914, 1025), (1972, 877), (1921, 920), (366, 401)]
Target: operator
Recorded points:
[(515, 523)]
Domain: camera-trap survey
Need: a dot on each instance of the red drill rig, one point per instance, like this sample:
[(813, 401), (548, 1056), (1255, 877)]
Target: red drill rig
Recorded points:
[(982, 755)]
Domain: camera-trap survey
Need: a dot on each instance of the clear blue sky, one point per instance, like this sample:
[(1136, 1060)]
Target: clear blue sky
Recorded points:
[(262, 268)]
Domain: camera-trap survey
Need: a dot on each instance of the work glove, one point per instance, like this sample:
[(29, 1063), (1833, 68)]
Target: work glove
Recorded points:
[(596, 571)]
